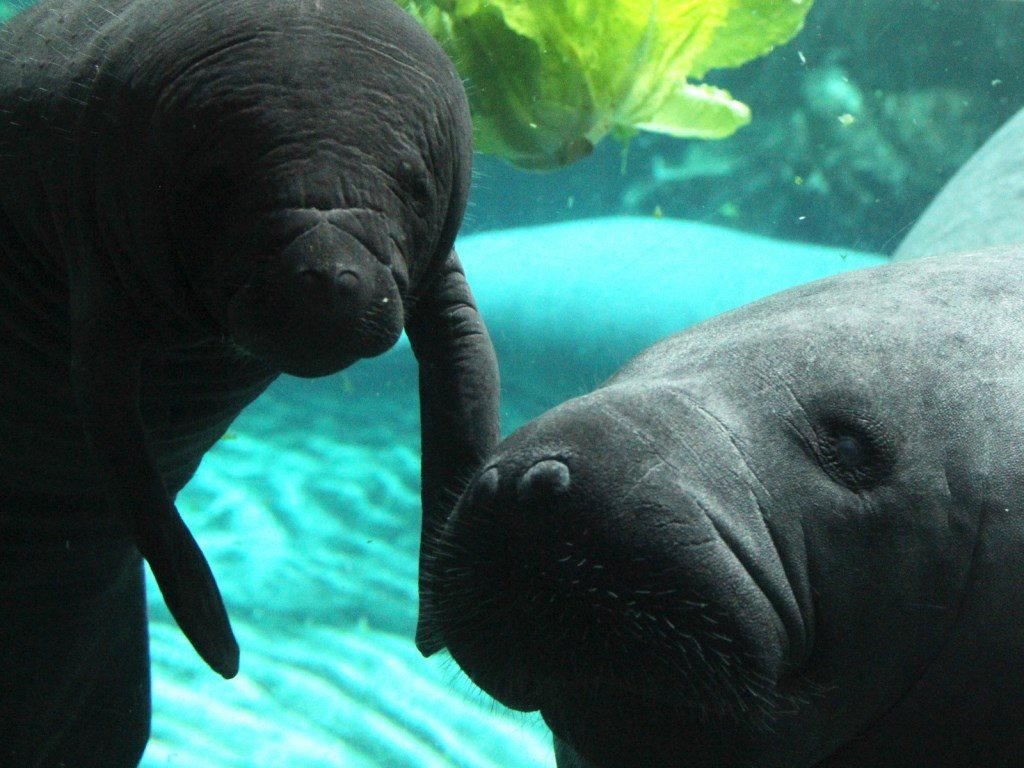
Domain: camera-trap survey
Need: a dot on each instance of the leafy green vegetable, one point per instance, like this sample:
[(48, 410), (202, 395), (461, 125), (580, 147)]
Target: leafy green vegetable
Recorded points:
[(548, 79)]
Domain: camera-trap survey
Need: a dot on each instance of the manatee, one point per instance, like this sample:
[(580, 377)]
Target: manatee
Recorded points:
[(981, 206), (789, 536), (195, 197)]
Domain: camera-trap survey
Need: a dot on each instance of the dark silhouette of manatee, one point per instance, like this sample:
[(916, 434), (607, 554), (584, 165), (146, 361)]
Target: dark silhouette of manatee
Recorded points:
[(789, 536), (194, 197), (980, 206)]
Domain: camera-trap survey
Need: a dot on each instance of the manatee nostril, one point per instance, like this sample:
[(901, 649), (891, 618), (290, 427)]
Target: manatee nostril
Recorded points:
[(347, 281), (332, 282), (344, 279), (311, 277), (545, 478)]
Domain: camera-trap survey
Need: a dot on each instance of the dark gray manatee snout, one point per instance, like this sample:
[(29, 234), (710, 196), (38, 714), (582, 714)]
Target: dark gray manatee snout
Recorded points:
[(586, 568), (341, 296), (787, 537), (579, 515)]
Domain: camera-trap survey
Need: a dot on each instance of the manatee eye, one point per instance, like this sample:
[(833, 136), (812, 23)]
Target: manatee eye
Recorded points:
[(855, 449), (849, 451), (413, 181)]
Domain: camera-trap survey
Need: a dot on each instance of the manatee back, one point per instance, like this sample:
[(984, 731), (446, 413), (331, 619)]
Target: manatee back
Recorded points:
[(981, 206), (50, 56), (955, 305)]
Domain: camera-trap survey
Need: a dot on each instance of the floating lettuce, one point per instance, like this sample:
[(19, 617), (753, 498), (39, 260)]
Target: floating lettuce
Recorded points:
[(548, 79)]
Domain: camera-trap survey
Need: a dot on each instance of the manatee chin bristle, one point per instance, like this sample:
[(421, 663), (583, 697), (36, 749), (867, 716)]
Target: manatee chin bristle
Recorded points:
[(451, 495), (724, 695), (438, 554), (685, 650), (644, 642), (242, 352), (447, 547), (374, 330)]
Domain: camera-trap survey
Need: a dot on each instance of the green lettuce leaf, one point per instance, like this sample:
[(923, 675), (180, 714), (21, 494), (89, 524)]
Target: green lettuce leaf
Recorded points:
[(548, 79)]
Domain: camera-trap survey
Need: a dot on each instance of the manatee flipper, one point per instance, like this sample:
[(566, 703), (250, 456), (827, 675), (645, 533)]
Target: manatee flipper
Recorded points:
[(106, 358), (75, 667), (458, 385)]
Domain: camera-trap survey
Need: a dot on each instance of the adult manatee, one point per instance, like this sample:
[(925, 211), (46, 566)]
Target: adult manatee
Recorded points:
[(789, 536), (194, 197)]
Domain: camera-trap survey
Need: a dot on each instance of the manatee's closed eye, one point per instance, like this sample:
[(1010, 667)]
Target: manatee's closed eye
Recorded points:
[(854, 448), (414, 184)]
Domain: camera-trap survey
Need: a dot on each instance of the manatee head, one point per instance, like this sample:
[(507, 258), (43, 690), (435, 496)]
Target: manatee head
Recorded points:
[(300, 171), (744, 549)]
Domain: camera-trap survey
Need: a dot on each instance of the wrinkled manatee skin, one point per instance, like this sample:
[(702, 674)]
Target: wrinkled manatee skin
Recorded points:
[(197, 196)]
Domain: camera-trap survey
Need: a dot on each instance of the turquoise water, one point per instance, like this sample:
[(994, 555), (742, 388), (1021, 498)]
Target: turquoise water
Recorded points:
[(309, 511)]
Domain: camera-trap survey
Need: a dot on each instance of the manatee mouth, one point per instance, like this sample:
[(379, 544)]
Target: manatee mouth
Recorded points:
[(612, 729), (628, 651), (326, 301), (648, 676), (640, 676), (560, 622)]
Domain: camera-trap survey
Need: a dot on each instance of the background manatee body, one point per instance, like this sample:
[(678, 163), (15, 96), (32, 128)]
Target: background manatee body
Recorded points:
[(786, 537), (195, 197), (981, 205)]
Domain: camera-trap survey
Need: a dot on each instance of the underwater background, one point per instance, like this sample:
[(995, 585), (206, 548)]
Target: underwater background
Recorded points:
[(308, 509)]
